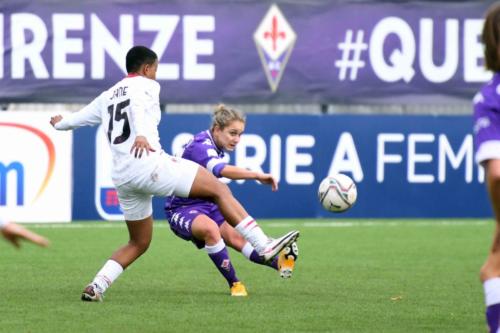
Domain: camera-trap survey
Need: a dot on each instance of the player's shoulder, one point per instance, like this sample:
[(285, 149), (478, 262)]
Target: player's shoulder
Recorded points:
[(142, 80), (203, 139), (200, 142), (144, 84)]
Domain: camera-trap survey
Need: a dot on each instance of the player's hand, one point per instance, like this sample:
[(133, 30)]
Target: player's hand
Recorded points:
[(140, 145), (267, 178), (14, 233), (54, 120)]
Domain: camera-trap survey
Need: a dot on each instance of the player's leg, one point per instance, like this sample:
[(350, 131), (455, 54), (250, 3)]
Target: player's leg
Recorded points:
[(204, 228), (140, 235), (284, 262), (234, 240), (138, 211), (205, 185), (185, 178), (490, 272), (14, 233)]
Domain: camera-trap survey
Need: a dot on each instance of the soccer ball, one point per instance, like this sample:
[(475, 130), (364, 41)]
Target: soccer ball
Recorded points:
[(337, 193)]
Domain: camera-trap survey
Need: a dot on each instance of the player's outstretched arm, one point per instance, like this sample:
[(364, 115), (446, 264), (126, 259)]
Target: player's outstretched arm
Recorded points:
[(14, 233), (234, 172), (88, 116)]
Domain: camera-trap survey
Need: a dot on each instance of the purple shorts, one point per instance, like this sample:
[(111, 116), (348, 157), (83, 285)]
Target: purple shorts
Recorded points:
[(181, 219)]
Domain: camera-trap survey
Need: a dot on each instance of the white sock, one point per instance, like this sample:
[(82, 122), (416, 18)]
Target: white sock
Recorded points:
[(247, 250), (252, 232), (215, 248), (492, 291), (108, 273)]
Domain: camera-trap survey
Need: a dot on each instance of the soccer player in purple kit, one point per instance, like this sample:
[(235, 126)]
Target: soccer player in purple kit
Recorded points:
[(130, 113), (201, 221), (487, 146)]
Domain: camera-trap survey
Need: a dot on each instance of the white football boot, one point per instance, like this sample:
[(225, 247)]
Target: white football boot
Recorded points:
[(274, 246), (92, 293)]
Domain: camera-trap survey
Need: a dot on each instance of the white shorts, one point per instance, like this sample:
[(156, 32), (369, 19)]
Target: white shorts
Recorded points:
[(172, 175)]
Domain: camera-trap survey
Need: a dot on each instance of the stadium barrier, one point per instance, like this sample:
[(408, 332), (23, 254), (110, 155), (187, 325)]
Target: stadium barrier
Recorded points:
[(404, 166)]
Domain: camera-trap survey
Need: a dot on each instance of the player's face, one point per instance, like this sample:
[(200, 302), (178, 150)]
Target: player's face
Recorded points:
[(150, 70), (228, 138)]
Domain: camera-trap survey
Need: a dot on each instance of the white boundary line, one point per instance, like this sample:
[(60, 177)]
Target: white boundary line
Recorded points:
[(344, 224), (311, 224)]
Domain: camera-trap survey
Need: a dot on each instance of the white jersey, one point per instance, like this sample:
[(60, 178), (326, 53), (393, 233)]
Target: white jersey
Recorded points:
[(128, 109)]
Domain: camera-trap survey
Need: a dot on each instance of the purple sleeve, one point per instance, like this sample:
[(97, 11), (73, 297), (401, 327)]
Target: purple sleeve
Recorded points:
[(218, 169), (487, 124)]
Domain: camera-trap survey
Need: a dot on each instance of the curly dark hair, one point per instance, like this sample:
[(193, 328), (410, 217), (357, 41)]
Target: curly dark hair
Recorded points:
[(137, 56)]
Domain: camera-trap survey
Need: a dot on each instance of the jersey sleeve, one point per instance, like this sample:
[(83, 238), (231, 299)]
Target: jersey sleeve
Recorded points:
[(206, 155), (90, 115)]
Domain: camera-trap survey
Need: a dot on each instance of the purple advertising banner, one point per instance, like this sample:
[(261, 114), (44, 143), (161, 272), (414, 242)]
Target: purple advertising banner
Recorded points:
[(247, 51)]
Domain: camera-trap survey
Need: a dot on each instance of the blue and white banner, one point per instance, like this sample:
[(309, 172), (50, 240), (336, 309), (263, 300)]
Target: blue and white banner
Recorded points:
[(404, 166), (246, 51)]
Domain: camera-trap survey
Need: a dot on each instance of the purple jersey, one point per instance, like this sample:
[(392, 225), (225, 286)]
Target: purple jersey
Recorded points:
[(487, 121), (202, 150)]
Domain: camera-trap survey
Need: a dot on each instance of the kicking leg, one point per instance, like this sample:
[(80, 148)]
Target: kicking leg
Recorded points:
[(207, 186), (237, 242), (284, 262)]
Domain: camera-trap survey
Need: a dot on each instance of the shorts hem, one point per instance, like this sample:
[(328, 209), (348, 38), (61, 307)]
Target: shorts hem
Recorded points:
[(136, 217)]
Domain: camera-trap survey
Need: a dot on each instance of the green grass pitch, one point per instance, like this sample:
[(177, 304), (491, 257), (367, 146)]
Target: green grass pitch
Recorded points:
[(352, 276)]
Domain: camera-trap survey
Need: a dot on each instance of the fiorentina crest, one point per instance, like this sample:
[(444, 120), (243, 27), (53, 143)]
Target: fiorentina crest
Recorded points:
[(274, 39)]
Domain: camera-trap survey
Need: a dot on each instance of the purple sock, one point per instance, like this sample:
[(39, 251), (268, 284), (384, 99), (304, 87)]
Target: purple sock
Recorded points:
[(493, 317), (220, 257), (254, 256)]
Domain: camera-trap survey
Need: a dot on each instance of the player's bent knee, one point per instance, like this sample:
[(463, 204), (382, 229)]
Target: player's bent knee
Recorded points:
[(211, 233), (204, 228), (141, 245)]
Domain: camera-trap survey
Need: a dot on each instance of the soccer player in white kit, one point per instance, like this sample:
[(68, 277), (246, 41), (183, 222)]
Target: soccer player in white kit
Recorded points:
[(130, 114)]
